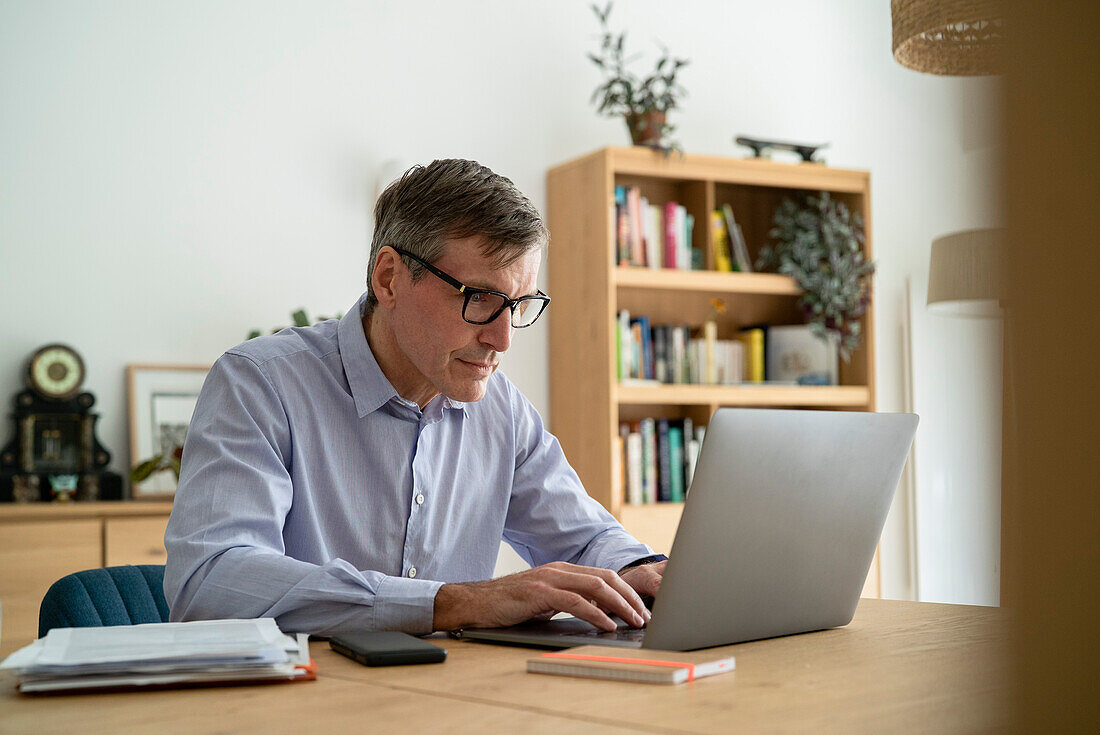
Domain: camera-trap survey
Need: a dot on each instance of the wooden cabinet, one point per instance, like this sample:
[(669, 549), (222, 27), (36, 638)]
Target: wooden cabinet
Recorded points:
[(587, 403), (40, 543), (134, 541)]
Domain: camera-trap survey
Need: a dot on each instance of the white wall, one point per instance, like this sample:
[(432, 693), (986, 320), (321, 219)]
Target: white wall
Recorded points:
[(173, 174)]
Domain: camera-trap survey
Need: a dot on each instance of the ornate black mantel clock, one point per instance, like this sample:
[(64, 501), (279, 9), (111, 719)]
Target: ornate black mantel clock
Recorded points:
[(55, 454)]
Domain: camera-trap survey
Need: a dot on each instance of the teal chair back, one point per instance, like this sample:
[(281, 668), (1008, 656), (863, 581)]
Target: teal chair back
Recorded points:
[(125, 595)]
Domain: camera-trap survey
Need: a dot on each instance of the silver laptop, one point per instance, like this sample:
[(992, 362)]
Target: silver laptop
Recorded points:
[(777, 535)]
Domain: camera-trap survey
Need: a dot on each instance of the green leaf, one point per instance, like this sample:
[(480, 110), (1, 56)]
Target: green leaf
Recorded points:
[(143, 470)]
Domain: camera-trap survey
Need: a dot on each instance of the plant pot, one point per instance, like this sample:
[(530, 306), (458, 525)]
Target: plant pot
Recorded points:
[(646, 128)]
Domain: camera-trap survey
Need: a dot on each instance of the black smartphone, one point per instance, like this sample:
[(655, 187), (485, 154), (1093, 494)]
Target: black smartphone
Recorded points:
[(386, 648)]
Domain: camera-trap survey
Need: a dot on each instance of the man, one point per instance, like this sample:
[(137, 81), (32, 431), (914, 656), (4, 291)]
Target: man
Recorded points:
[(361, 474)]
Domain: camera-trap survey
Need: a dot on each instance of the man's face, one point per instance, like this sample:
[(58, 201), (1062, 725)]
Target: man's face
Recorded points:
[(443, 351)]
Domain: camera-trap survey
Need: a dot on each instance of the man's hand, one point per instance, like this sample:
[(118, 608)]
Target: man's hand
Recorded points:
[(645, 579), (542, 592)]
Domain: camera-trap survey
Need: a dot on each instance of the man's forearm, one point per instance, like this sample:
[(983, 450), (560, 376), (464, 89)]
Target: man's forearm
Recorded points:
[(302, 597)]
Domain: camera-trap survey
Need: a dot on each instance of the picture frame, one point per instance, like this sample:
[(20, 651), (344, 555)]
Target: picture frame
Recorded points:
[(161, 400), (795, 354)]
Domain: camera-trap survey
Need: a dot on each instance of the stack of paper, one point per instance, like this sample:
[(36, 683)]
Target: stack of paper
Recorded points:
[(161, 654)]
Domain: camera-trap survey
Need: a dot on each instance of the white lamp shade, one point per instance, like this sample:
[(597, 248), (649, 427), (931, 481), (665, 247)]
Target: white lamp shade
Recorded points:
[(965, 274)]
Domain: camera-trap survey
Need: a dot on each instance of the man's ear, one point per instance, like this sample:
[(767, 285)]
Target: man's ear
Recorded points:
[(383, 277)]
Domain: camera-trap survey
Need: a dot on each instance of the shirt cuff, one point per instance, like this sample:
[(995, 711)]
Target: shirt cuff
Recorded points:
[(407, 605), (652, 559)]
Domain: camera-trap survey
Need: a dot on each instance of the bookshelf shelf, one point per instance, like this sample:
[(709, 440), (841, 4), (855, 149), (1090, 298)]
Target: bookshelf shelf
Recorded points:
[(776, 396), (708, 281), (587, 403)]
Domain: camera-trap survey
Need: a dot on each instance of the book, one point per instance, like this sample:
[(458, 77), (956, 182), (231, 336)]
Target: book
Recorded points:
[(634, 493), (737, 241), (624, 344), (648, 430), (686, 250), (631, 664), (652, 226), (679, 355), (660, 354), (720, 242), (675, 464), (687, 427), (710, 339), (618, 470), (741, 251), (622, 228), (752, 340), (670, 237), (664, 462), (634, 208)]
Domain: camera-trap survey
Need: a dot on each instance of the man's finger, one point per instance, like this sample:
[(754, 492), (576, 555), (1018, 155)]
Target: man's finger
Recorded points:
[(579, 607), (628, 593), (605, 587)]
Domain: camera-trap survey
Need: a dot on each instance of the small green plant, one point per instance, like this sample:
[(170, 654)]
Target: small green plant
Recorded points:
[(142, 471), (642, 101), (819, 244), (300, 320)]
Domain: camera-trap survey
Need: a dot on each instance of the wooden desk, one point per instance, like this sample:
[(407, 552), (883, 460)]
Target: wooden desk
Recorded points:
[(899, 667)]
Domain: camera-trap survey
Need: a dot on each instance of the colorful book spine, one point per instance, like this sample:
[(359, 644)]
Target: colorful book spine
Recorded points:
[(675, 354), (622, 227), (660, 354), (648, 431), (634, 472), (618, 472), (643, 338), (664, 463), (670, 237), (720, 242), (710, 349), (676, 464), (654, 227), (686, 250), (752, 341), (737, 241), (626, 345)]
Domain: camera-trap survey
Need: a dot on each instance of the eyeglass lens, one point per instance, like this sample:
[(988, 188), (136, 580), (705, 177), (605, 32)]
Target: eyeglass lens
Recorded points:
[(482, 307)]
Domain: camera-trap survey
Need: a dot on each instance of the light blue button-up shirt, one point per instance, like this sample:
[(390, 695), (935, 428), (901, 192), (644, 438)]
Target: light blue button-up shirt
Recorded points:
[(312, 493)]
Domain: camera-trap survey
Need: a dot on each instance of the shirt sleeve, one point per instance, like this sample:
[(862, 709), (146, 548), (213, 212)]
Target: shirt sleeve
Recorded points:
[(226, 552), (550, 516)]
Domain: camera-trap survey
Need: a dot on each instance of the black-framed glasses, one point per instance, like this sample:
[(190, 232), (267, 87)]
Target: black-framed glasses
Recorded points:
[(482, 306)]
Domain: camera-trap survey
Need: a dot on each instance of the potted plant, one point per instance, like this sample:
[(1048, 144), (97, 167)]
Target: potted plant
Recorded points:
[(642, 102), (143, 470), (819, 243)]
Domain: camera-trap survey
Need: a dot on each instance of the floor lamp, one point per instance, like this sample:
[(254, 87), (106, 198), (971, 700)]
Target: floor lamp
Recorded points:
[(965, 280)]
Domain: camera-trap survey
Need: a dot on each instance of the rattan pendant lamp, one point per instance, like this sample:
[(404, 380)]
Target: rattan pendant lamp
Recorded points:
[(949, 37)]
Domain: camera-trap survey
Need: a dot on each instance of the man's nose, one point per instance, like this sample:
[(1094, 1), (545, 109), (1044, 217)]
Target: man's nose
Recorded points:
[(497, 334)]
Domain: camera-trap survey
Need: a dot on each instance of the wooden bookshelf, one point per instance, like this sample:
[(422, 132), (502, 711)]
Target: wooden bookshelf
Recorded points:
[(587, 403), (762, 395)]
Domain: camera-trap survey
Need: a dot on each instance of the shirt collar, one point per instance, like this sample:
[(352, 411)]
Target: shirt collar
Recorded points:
[(370, 388)]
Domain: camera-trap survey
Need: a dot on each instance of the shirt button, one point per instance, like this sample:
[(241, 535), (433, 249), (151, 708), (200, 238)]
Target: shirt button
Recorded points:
[(412, 572), (420, 498)]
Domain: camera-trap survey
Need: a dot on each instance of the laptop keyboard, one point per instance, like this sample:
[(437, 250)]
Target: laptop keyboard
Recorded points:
[(634, 635)]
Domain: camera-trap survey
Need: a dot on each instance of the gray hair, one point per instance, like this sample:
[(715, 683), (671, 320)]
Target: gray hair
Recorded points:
[(453, 199)]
